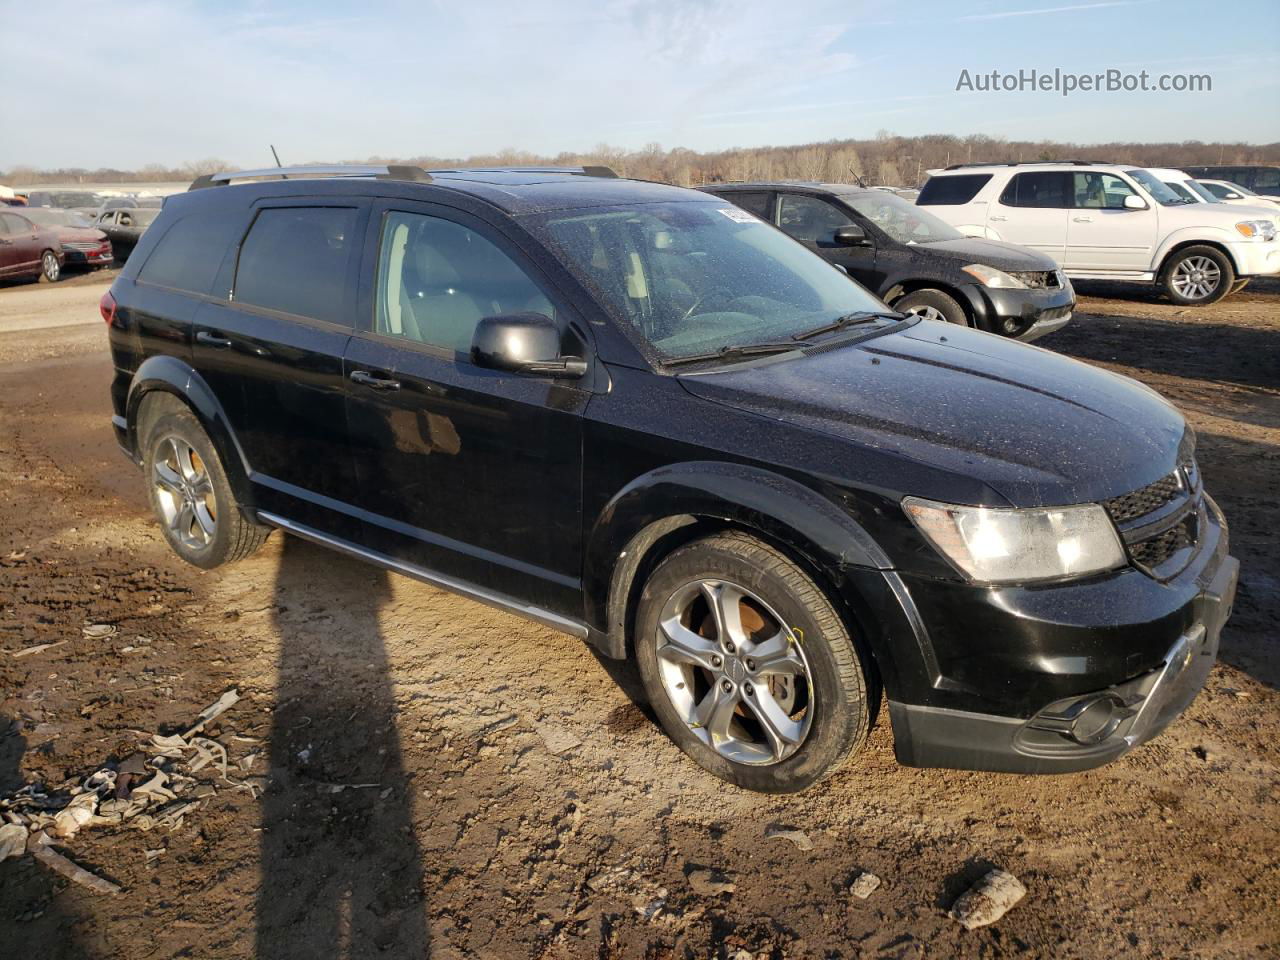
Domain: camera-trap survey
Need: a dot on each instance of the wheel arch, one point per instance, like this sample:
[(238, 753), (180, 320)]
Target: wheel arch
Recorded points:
[(1179, 245), (663, 510), (975, 313), (171, 376)]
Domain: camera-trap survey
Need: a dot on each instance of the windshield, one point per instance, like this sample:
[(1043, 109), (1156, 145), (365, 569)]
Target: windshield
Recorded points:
[(1159, 191), (1182, 192), (1200, 191), (52, 217), (901, 219), (692, 278)]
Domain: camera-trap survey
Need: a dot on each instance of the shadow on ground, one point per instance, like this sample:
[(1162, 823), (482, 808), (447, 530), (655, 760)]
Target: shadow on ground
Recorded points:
[(341, 867)]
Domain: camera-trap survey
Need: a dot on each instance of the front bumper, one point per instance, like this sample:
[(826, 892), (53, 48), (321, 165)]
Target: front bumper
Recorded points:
[(1254, 259), (1024, 314), (1010, 669)]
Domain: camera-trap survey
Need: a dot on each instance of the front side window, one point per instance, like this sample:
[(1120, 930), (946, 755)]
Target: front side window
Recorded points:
[(687, 278), (810, 219), (437, 279), (901, 219), (1036, 190), (295, 260)]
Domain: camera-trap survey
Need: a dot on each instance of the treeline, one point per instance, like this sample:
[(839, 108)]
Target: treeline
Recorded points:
[(887, 159)]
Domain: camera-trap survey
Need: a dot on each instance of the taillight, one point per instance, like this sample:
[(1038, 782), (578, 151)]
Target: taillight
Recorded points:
[(107, 305)]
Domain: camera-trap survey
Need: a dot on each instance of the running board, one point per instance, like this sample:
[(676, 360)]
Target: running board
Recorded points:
[(1140, 276), (460, 587)]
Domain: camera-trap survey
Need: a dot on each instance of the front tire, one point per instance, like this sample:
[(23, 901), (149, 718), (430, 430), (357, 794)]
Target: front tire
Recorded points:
[(748, 667), (50, 269), (933, 305), (1198, 275), (191, 496)]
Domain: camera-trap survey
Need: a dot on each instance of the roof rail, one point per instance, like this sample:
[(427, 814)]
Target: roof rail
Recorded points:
[(390, 171), (1028, 163), (583, 171)]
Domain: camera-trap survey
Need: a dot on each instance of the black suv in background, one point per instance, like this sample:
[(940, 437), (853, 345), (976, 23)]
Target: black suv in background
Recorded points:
[(912, 260), (639, 415), (1258, 178)]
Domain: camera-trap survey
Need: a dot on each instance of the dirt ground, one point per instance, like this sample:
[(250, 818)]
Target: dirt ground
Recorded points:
[(511, 798)]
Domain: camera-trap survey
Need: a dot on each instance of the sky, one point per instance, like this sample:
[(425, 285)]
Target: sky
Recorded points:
[(135, 82)]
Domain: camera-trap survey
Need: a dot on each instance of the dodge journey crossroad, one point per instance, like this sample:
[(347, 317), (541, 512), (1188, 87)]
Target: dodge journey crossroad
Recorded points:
[(639, 415)]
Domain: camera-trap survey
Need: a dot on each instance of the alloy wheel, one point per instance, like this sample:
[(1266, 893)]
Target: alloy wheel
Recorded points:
[(184, 492), (1196, 278), (49, 266), (735, 672), (926, 312)]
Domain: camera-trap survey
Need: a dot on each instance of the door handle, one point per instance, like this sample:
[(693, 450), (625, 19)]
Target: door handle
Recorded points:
[(997, 218), (1083, 219), (367, 379), (212, 340)]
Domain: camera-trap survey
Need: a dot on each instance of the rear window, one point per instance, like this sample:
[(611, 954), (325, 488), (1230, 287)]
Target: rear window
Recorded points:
[(190, 252), (295, 260), (950, 190), (1036, 190)]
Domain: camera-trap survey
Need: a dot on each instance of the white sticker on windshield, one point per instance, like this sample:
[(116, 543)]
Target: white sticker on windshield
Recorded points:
[(738, 215)]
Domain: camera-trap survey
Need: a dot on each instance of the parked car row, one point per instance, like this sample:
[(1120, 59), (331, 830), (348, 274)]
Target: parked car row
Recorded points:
[(1112, 222), (40, 241)]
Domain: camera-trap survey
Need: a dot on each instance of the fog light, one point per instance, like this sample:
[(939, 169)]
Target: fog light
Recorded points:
[(1098, 720)]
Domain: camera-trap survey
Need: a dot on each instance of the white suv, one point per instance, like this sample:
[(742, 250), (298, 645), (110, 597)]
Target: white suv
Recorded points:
[(1108, 222)]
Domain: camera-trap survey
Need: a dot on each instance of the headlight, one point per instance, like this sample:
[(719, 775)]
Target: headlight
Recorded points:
[(1009, 545), (991, 277), (1255, 229)]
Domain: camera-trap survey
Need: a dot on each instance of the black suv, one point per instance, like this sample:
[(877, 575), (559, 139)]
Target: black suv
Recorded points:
[(638, 415), (912, 260)]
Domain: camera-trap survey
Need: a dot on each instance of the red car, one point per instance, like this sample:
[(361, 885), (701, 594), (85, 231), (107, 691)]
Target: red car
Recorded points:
[(83, 244), (28, 249)]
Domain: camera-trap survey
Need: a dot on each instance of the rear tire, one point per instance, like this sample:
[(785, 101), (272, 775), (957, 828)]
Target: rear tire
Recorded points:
[(50, 269), (933, 305), (782, 688), (1197, 276), (190, 494)]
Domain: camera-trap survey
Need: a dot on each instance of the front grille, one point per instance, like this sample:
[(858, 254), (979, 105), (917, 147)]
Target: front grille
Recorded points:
[(1160, 521), (1147, 500), (1037, 279), (1156, 550)]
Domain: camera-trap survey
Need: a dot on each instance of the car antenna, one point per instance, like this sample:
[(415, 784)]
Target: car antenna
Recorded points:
[(857, 179), (278, 163)]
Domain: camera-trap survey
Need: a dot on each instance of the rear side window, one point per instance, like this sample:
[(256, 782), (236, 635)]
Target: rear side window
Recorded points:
[(295, 260), (758, 203), (189, 254), (1036, 190), (951, 190), (1266, 179)]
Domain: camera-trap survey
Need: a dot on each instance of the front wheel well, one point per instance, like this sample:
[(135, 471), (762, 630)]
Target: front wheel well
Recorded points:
[(648, 548), (900, 290), (1183, 245)]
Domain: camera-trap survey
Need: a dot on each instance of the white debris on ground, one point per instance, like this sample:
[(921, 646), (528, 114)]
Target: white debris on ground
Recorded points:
[(988, 900), (151, 789), (864, 885), (798, 837)]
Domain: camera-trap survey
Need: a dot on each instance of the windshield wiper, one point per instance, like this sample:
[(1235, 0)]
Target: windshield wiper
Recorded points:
[(733, 352), (850, 320)]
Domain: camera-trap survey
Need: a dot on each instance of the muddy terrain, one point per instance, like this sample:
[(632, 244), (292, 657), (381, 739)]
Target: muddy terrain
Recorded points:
[(411, 774)]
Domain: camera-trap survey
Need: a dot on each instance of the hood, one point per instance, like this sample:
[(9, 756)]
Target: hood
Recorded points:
[(79, 234), (1037, 428), (994, 253)]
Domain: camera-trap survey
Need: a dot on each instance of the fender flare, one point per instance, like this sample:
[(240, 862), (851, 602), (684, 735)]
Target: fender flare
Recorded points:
[(172, 375), (661, 502), (1220, 240)]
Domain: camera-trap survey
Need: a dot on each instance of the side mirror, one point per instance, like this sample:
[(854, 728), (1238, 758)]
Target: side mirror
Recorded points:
[(851, 235), (523, 343), (1232, 196), (1132, 202)]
